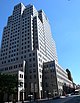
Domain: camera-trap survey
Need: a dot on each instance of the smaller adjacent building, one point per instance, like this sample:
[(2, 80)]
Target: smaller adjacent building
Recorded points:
[(50, 87), (55, 80), (21, 88)]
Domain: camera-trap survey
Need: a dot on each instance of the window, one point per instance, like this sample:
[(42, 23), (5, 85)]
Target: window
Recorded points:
[(30, 65), (21, 57), (21, 76), (33, 54), (40, 76), (30, 76), (40, 70), (25, 47), (33, 59), (34, 70), (41, 84), (46, 84), (25, 42), (28, 46), (30, 55), (22, 48), (24, 56), (28, 50), (6, 68), (34, 65), (16, 58), (30, 60), (28, 37), (30, 71), (28, 41), (34, 76)]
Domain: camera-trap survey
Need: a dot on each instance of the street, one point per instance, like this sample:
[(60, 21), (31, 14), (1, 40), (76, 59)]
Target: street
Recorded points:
[(70, 99), (74, 100)]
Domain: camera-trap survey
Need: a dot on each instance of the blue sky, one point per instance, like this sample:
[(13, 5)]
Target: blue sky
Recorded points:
[(64, 17)]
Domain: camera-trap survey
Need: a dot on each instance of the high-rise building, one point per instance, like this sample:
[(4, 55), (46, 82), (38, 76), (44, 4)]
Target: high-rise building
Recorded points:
[(27, 37)]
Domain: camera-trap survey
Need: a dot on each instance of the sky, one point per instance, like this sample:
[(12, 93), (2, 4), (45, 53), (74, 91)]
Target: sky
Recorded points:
[(64, 18)]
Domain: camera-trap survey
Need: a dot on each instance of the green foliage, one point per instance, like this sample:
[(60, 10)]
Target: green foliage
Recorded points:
[(69, 75), (8, 84)]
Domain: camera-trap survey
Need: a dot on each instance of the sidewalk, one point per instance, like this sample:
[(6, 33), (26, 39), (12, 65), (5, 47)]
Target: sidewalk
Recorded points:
[(37, 100)]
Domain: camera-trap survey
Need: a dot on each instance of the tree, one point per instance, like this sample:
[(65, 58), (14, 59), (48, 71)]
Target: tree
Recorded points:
[(69, 75), (8, 84)]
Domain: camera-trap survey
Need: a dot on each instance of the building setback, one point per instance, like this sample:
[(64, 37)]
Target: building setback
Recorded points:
[(27, 37)]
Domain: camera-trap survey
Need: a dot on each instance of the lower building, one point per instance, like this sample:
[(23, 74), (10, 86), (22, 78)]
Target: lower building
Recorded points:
[(55, 80), (20, 89)]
